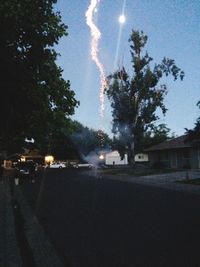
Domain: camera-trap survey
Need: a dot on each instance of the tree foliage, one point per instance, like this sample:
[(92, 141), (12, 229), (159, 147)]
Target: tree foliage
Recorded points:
[(156, 135), (194, 134), (71, 140), (88, 140), (136, 98), (33, 92)]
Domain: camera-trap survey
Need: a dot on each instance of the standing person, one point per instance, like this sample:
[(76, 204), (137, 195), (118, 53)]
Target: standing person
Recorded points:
[(1, 173), (16, 175), (32, 172)]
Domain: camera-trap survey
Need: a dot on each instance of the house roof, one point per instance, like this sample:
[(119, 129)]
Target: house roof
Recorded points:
[(178, 142), (14, 156), (114, 153)]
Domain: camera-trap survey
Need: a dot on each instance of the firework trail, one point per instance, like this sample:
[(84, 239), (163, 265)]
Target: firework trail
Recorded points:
[(119, 39), (96, 35)]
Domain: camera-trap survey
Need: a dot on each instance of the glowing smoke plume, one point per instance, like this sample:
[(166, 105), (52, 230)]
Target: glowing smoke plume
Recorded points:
[(95, 35)]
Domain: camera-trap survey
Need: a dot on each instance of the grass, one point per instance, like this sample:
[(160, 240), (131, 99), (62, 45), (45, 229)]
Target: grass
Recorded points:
[(190, 181), (133, 171)]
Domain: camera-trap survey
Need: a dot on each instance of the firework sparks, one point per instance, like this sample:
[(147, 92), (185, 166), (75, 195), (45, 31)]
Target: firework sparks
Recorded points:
[(95, 36)]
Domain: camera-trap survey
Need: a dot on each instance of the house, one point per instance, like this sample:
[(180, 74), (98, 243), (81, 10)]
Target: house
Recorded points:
[(26, 156), (141, 158), (114, 158), (177, 153)]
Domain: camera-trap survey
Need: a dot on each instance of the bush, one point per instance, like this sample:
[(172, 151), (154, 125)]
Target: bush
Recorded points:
[(159, 165)]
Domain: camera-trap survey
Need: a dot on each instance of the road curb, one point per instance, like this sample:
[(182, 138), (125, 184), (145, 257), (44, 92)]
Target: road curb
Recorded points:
[(9, 250), (43, 251), (148, 181)]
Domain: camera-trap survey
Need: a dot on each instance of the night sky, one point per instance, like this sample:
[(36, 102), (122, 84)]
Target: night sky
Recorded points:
[(173, 30)]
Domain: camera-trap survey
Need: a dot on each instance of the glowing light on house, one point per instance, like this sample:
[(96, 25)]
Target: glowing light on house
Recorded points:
[(49, 159), (22, 158), (101, 157)]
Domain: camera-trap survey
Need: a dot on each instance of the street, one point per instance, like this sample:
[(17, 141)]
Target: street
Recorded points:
[(106, 223)]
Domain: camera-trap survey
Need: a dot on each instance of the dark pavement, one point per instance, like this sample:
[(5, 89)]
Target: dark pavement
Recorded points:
[(107, 223)]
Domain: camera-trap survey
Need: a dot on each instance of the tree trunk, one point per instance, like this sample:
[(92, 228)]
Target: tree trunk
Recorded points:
[(131, 153)]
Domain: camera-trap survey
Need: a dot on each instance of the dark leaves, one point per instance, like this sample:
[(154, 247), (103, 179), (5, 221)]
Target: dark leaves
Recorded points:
[(135, 100), (31, 82)]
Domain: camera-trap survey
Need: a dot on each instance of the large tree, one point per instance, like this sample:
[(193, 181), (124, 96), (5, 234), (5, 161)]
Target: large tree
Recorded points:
[(33, 93), (194, 134), (135, 98), (156, 135)]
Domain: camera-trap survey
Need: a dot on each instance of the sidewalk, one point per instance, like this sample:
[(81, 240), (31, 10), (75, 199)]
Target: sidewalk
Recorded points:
[(9, 251), (167, 180), (37, 243)]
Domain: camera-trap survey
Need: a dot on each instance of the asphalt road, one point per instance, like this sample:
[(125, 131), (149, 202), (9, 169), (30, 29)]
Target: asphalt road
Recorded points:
[(105, 223)]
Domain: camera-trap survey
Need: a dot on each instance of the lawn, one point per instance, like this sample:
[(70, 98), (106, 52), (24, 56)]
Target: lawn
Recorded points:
[(133, 171), (190, 181)]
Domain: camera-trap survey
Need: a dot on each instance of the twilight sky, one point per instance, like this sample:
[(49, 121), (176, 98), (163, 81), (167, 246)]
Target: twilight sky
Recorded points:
[(173, 30)]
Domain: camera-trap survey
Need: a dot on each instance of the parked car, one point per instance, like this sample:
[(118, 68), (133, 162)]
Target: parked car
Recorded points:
[(24, 167), (57, 165), (83, 165)]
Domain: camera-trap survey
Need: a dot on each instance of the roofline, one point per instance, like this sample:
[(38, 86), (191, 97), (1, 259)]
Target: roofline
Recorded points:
[(159, 147), (171, 148)]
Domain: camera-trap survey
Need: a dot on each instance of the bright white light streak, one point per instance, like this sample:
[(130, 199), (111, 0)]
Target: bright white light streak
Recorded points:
[(95, 36), (122, 19)]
